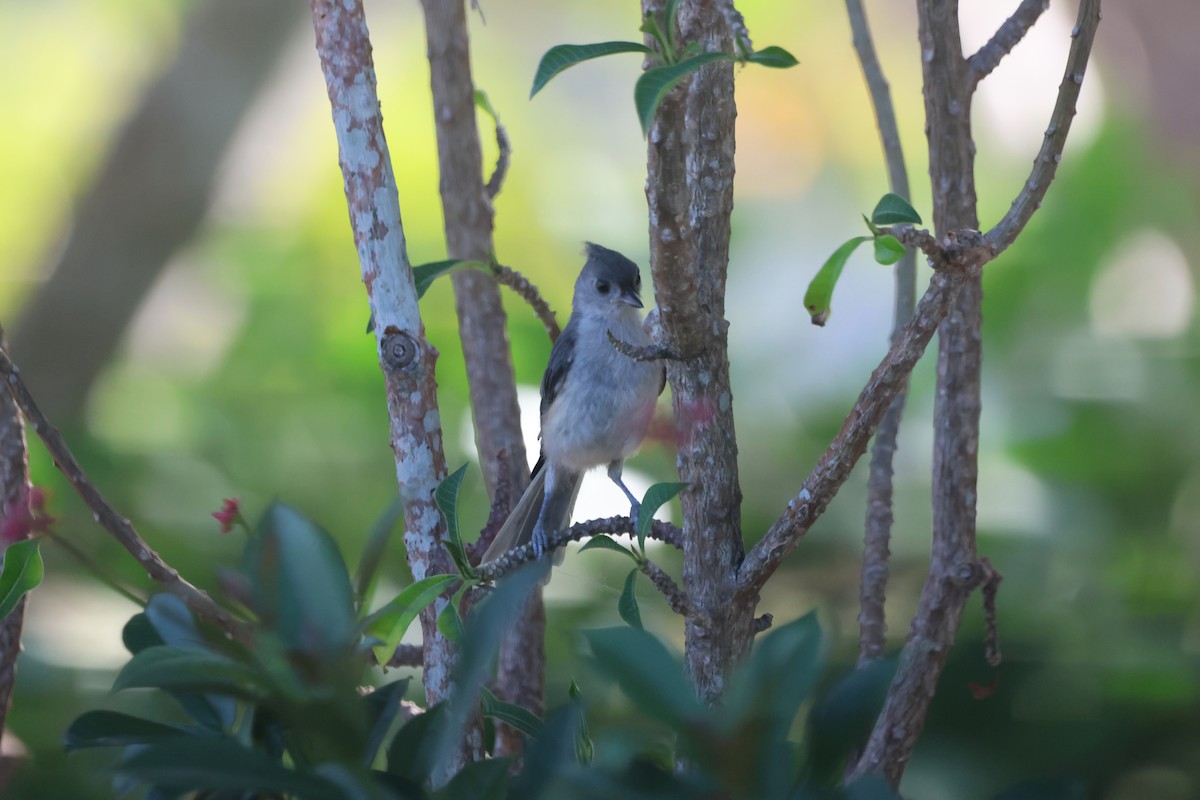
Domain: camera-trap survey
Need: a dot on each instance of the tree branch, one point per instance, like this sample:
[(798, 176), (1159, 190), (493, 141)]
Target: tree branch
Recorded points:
[(482, 323), (878, 529), (405, 357), (197, 600), (530, 294), (1055, 138), (675, 597), (497, 568), (839, 458), (1006, 37), (653, 352), (496, 182)]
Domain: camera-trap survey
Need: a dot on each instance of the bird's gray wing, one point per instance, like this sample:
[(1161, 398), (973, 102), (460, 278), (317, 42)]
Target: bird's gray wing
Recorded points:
[(562, 356), (517, 530)]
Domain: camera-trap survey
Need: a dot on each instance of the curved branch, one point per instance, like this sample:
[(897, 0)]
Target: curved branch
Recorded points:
[(676, 599), (1006, 37), (1046, 163), (121, 529), (497, 568), (496, 181), (530, 294), (839, 458)]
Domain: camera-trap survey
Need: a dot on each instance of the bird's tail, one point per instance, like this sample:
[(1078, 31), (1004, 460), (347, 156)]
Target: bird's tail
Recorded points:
[(518, 528)]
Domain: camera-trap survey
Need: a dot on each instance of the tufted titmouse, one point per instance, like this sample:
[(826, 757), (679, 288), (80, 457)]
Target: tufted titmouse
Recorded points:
[(596, 401)]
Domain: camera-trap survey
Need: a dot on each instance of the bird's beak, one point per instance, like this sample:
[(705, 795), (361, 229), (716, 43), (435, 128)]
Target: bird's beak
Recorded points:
[(629, 298)]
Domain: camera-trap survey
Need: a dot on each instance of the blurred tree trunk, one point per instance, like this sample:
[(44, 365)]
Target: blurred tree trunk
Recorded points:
[(148, 198), (467, 210)]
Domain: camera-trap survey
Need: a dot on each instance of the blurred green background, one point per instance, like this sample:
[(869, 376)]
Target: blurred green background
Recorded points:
[(237, 363)]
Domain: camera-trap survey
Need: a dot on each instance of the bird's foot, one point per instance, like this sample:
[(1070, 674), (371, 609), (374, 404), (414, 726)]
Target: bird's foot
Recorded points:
[(539, 541), (635, 513)]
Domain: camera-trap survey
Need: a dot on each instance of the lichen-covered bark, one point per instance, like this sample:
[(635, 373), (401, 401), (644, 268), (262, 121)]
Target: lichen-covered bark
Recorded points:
[(14, 482), (406, 358), (467, 211), (689, 191)]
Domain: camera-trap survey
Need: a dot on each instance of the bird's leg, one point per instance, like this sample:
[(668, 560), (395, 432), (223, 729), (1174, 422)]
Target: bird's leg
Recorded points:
[(614, 472)]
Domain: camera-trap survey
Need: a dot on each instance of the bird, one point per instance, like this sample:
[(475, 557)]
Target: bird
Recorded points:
[(596, 401)]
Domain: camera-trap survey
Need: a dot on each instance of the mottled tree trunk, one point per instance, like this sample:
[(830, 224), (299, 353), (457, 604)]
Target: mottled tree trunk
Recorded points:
[(14, 486)]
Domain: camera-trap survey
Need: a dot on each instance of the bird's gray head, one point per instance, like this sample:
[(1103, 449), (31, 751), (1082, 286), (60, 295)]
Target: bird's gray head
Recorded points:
[(609, 282)]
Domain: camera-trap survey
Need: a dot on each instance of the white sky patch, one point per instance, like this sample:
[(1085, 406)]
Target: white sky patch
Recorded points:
[(75, 625), (1012, 499), (1144, 289), (1085, 367), (1014, 102)]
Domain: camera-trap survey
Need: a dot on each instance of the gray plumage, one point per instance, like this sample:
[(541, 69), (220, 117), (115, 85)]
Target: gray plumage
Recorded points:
[(596, 401)]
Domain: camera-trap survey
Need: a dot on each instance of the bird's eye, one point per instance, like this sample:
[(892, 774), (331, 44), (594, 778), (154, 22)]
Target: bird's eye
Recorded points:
[(602, 287), (637, 282)]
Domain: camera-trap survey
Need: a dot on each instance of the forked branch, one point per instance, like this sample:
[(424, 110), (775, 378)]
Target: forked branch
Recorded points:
[(1006, 37)]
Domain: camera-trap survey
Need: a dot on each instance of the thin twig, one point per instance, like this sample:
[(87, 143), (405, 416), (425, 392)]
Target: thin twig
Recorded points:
[(522, 286), (1006, 37), (496, 568), (991, 584), (104, 514), (676, 599), (406, 655), (878, 528), (496, 182), (654, 352), (1046, 163)]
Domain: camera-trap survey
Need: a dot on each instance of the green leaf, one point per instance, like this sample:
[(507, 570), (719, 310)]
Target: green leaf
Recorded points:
[(778, 675), (773, 56), (888, 250), (177, 668), (559, 57), (446, 497), (548, 757), (449, 623), (654, 84), (23, 571), (300, 582), (820, 290), (138, 634), (892, 209), (647, 672), (650, 25), (390, 622), (172, 624), (584, 749), (383, 706), (480, 780), (485, 105), (510, 714), (603, 541), (627, 606), (425, 274), (653, 500), (215, 763), (413, 748), (670, 23), (487, 624), (114, 729)]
